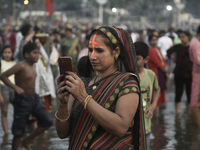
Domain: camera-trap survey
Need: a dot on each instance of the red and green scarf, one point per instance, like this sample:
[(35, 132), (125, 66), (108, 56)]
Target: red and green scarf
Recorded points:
[(105, 95)]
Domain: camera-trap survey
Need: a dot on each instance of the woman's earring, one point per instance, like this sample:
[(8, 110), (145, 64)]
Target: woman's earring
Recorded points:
[(116, 57)]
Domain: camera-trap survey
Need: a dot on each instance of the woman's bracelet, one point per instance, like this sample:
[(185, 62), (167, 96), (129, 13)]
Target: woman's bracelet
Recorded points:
[(87, 100), (61, 120)]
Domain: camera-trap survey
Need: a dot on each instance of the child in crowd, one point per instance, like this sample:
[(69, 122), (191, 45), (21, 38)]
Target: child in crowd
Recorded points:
[(148, 84), (26, 102), (7, 62)]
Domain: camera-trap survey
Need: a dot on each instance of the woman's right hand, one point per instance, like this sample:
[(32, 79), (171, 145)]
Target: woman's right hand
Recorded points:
[(62, 94)]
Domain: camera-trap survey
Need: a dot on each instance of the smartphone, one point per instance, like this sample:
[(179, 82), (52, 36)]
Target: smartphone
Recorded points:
[(65, 64)]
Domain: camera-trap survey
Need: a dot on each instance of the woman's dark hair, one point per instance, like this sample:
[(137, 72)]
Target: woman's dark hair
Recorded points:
[(186, 33), (152, 36), (5, 47), (29, 47), (82, 65), (25, 29), (198, 30)]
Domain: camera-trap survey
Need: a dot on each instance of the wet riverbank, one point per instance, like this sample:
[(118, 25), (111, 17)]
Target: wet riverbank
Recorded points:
[(169, 131)]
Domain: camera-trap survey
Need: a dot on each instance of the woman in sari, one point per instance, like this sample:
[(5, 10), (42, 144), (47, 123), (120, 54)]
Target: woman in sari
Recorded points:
[(159, 66), (104, 111), (195, 92)]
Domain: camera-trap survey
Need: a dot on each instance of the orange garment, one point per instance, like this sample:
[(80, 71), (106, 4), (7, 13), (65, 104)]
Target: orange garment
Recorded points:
[(156, 61)]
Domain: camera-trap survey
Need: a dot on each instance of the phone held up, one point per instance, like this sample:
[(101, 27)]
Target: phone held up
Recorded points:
[(65, 64)]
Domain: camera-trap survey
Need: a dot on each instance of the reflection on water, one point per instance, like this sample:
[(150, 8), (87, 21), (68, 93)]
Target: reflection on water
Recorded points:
[(169, 131), (46, 141), (174, 132)]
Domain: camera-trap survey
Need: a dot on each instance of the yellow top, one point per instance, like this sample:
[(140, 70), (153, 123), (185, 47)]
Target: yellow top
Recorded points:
[(5, 65)]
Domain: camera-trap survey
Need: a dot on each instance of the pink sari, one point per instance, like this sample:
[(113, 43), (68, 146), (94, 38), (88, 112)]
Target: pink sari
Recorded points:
[(195, 58), (195, 93)]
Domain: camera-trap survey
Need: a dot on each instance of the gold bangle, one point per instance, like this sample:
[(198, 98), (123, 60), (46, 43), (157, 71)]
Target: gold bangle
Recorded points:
[(87, 100), (62, 120)]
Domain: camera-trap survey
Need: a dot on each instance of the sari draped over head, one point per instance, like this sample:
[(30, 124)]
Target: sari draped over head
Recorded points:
[(108, 90)]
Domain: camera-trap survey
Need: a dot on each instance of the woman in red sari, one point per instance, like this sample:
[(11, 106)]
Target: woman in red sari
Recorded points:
[(98, 112), (158, 64)]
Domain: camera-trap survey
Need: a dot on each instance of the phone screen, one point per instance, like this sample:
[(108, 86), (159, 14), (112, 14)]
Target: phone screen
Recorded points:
[(65, 64)]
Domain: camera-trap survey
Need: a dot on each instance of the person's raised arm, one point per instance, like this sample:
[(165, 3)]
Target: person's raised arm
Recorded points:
[(29, 37), (14, 70)]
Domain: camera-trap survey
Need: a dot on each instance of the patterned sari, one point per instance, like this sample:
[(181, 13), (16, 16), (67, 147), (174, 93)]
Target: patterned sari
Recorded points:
[(86, 133)]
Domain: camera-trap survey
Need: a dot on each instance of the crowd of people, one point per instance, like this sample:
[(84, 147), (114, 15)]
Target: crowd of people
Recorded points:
[(119, 79)]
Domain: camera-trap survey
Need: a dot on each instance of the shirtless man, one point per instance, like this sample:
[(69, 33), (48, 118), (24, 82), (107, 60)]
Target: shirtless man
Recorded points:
[(26, 102)]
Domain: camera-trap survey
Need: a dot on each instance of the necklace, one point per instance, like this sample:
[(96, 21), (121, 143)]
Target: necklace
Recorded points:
[(94, 87)]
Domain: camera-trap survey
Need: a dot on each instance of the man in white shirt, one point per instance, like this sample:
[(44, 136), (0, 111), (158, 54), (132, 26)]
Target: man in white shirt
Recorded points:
[(164, 43)]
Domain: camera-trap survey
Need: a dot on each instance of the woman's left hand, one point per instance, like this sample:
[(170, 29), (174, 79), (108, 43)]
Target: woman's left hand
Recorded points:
[(76, 87)]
